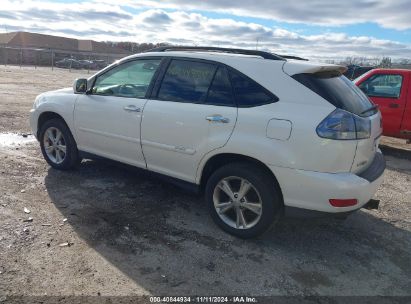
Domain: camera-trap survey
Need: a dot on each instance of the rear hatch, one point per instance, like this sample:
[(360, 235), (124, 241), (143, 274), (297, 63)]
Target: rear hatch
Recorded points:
[(328, 82), (366, 148)]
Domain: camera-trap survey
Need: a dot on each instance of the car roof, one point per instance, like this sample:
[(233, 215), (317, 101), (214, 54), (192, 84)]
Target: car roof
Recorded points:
[(242, 62), (393, 70), (239, 61), (214, 56)]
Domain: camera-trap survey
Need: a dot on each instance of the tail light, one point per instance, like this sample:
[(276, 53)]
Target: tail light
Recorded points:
[(343, 125)]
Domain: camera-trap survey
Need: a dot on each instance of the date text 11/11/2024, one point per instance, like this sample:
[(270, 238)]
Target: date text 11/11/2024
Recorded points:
[(203, 299)]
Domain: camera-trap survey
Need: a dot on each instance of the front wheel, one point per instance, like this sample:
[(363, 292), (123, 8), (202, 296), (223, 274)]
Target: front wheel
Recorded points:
[(58, 145), (243, 199)]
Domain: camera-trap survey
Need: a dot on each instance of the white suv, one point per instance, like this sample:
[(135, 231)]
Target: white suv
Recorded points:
[(254, 131)]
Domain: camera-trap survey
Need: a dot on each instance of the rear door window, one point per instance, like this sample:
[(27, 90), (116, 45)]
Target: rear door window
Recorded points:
[(337, 90), (382, 85), (187, 81), (220, 92)]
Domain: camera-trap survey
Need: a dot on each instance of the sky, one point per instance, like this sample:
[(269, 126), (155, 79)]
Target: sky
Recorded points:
[(316, 29)]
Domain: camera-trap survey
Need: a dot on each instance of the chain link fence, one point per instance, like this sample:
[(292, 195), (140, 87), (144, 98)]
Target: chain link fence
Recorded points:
[(56, 58)]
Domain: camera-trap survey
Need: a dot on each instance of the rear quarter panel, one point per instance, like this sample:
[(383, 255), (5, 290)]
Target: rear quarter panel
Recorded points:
[(304, 149)]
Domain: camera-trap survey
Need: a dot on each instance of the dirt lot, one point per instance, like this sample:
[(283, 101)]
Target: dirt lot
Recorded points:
[(130, 233)]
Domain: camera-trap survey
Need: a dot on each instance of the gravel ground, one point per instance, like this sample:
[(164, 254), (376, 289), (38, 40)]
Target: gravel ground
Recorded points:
[(110, 230)]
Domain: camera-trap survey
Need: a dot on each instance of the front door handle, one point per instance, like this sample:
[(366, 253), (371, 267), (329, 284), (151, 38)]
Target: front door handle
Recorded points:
[(131, 108), (217, 118), (394, 105)]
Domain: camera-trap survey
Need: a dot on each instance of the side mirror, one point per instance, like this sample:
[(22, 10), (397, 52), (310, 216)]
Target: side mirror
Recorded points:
[(80, 86)]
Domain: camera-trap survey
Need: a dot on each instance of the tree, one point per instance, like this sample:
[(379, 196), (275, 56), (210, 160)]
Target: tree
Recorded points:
[(385, 62), (135, 47)]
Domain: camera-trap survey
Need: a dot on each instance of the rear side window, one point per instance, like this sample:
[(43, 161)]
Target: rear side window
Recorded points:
[(220, 92), (249, 93), (337, 90), (187, 81)]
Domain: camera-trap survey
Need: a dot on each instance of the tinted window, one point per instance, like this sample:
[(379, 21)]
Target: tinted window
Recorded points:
[(337, 90), (382, 85), (220, 92), (130, 79), (186, 81), (249, 93)]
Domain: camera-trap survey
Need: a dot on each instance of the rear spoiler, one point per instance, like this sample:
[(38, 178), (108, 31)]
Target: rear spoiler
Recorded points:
[(298, 67)]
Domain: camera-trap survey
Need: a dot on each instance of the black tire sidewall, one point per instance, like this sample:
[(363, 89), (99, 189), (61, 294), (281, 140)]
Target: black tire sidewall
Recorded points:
[(71, 158), (264, 184)]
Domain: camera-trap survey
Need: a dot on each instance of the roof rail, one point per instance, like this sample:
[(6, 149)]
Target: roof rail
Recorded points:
[(293, 57), (265, 55)]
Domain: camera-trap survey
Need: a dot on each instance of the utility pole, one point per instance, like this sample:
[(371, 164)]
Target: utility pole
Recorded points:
[(71, 61), (52, 60), (4, 55)]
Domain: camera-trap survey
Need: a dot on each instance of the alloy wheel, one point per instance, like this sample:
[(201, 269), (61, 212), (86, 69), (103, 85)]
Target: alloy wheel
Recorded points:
[(55, 145), (237, 202)]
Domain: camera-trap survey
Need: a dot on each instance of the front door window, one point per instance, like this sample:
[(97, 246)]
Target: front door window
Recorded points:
[(131, 79)]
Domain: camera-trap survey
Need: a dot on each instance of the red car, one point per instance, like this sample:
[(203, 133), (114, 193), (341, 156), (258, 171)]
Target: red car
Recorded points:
[(390, 89)]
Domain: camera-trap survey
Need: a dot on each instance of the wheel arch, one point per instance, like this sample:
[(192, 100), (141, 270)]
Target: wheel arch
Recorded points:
[(219, 160), (46, 116)]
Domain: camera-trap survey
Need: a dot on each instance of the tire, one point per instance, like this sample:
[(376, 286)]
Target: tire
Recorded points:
[(261, 186), (53, 153)]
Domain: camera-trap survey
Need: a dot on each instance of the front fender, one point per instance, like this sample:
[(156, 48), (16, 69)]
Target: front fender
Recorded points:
[(60, 104)]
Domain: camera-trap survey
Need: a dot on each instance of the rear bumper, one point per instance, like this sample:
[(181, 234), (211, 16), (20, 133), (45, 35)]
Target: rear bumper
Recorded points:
[(312, 190), (375, 170), (293, 212)]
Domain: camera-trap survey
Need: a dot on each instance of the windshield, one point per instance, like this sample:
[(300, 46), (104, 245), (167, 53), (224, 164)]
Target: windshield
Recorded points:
[(339, 91)]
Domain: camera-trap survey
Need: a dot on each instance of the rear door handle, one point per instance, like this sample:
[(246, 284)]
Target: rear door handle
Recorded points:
[(218, 118), (131, 108)]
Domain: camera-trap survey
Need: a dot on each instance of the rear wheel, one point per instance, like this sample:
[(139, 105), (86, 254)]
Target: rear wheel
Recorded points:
[(58, 145), (243, 199)]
